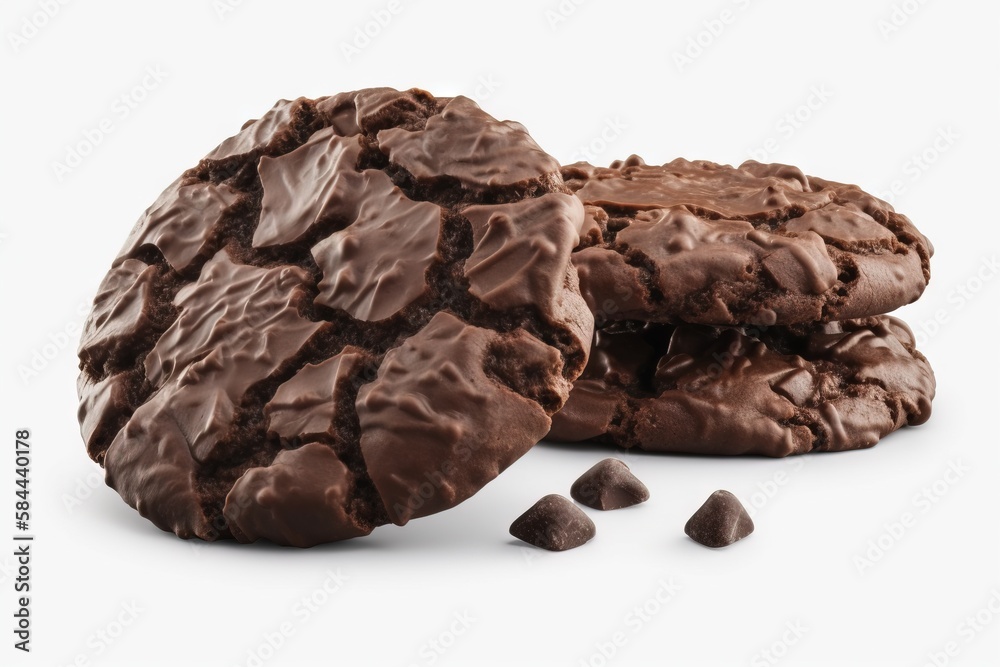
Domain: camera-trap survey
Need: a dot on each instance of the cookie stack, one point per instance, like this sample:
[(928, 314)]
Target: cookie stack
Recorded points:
[(362, 308), (741, 311)]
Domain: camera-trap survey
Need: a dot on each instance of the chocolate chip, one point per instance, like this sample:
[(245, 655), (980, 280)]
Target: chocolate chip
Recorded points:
[(554, 523), (609, 485), (721, 521)]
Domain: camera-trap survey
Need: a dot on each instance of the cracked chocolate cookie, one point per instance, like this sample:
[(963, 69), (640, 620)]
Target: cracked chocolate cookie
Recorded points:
[(775, 391), (358, 310), (761, 244)]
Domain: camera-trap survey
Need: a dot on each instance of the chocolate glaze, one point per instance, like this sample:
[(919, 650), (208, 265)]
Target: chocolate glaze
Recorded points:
[(424, 417), (181, 222), (314, 183), (101, 404), (267, 130), (150, 463), (295, 345), (122, 316), (775, 392), (359, 276), (463, 142), (759, 244), (307, 404), (513, 263), (301, 499), (223, 342)]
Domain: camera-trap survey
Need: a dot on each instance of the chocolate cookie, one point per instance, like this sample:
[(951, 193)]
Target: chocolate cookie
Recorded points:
[(762, 244), (775, 392), (358, 310)]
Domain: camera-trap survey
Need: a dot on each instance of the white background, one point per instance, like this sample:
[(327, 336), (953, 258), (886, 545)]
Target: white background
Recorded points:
[(604, 81)]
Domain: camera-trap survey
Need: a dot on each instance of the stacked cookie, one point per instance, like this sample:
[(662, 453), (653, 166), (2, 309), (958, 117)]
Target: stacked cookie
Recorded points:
[(362, 308), (740, 311)]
